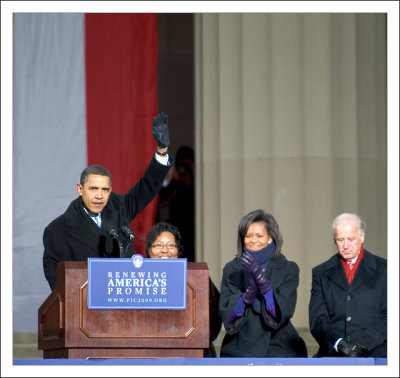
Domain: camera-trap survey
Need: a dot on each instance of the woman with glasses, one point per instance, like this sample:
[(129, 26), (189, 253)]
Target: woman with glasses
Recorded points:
[(164, 242)]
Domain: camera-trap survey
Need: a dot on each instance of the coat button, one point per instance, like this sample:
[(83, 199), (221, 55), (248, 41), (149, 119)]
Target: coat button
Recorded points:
[(348, 297), (348, 318)]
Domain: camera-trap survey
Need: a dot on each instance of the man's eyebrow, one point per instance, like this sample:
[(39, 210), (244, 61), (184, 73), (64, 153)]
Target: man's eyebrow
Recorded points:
[(96, 187)]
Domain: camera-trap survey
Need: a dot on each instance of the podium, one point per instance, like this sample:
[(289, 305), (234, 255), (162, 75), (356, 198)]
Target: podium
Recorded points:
[(68, 329)]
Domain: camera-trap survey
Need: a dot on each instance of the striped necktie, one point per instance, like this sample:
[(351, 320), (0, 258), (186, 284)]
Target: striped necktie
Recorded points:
[(97, 219)]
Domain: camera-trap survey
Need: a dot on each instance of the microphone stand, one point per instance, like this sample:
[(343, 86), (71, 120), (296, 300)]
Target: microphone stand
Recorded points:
[(113, 233), (121, 248), (128, 233)]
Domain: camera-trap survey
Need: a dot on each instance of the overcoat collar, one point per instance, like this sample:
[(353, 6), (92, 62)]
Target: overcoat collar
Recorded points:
[(82, 226), (335, 271)]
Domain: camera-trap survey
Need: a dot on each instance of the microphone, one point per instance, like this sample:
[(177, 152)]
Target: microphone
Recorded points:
[(112, 232), (127, 232)]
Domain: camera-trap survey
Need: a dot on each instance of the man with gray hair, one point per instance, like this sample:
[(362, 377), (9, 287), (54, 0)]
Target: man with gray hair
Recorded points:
[(348, 304)]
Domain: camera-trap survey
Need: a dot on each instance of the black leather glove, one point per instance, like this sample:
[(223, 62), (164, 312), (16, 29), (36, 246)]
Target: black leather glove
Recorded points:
[(350, 348), (250, 263), (251, 292), (160, 130)]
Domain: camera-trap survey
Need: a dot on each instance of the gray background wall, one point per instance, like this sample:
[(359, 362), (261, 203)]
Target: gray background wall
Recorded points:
[(290, 116)]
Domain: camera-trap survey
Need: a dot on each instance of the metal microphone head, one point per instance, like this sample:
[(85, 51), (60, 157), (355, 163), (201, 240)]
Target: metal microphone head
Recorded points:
[(128, 232), (112, 232)]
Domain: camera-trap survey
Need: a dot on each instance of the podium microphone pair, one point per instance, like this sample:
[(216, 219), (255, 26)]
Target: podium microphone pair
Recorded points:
[(127, 232)]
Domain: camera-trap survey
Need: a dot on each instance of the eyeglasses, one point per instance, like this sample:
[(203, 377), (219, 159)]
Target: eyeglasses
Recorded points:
[(159, 246)]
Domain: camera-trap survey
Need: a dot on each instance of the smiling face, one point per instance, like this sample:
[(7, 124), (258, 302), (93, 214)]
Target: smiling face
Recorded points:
[(95, 192), (256, 237), (164, 247), (348, 239)]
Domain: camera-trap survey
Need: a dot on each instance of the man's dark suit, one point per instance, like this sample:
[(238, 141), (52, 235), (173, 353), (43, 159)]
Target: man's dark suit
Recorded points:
[(73, 236), (338, 309)]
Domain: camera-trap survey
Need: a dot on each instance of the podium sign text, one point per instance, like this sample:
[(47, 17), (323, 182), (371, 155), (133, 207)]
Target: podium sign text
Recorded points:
[(137, 283)]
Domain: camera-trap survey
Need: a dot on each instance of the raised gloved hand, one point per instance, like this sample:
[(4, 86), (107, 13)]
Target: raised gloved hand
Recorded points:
[(251, 292), (350, 348), (160, 130), (250, 263)]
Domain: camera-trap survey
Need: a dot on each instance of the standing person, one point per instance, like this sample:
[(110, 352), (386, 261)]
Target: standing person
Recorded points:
[(89, 226), (258, 294), (176, 199), (164, 242), (348, 304)]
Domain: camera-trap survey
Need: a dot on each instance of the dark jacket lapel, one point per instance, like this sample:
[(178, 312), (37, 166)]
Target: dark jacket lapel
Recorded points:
[(366, 271), (81, 225), (335, 272)]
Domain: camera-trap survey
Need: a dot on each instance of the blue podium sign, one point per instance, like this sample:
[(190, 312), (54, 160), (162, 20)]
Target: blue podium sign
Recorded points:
[(137, 283)]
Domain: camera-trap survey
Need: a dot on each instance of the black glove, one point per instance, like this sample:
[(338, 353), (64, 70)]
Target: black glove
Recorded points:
[(160, 130), (350, 348), (251, 292), (250, 263)]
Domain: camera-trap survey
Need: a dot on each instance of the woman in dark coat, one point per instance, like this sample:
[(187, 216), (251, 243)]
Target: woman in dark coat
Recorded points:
[(164, 242), (259, 293)]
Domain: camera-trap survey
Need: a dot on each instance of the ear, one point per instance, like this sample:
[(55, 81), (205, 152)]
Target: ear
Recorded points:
[(79, 189), (362, 237), (270, 240)]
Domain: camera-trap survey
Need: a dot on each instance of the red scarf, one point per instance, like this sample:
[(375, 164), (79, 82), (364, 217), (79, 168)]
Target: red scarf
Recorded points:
[(346, 266)]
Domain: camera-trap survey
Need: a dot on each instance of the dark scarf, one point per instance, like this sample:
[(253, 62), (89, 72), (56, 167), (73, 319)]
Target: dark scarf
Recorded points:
[(263, 257)]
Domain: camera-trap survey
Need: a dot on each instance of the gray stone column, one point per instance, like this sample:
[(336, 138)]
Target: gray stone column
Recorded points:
[(289, 117)]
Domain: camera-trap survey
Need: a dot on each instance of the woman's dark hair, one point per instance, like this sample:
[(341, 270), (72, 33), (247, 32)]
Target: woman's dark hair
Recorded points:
[(272, 227), (157, 229)]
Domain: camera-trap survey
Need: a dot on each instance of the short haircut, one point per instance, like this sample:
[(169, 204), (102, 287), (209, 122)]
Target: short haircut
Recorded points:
[(157, 229), (94, 170), (271, 225), (347, 218)]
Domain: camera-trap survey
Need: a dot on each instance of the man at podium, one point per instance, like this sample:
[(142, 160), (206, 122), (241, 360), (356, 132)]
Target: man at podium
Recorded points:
[(89, 226)]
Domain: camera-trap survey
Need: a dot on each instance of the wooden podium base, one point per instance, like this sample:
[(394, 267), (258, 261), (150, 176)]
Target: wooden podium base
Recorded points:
[(68, 329), (93, 353)]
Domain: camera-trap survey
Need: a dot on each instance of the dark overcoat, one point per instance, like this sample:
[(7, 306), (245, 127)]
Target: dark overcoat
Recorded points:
[(73, 236), (359, 310), (259, 334)]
